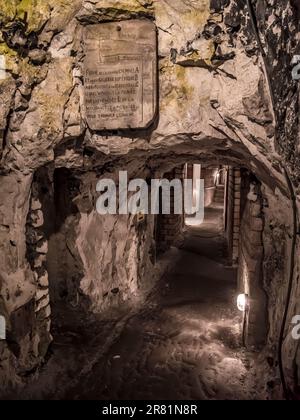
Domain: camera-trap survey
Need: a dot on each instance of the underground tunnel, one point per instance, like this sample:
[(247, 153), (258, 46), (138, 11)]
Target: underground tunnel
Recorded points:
[(164, 302)]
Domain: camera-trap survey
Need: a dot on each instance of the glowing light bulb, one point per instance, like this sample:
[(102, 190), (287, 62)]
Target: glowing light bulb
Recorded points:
[(243, 302)]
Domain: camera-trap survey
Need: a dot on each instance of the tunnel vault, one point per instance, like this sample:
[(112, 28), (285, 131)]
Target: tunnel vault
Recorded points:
[(106, 264), (102, 263)]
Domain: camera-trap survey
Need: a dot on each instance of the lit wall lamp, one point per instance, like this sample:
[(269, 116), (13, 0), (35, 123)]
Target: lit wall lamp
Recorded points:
[(243, 302)]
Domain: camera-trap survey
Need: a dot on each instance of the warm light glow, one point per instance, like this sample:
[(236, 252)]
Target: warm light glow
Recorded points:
[(216, 174), (242, 302)]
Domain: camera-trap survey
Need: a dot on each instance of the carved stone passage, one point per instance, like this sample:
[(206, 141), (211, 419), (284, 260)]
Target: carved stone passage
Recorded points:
[(120, 74)]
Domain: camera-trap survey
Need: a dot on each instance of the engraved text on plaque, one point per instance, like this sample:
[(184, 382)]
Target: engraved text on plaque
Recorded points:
[(120, 74)]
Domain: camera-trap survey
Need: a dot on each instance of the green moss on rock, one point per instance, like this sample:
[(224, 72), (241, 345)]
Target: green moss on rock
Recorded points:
[(179, 89), (8, 11), (5, 50), (34, 12), (128, 5)]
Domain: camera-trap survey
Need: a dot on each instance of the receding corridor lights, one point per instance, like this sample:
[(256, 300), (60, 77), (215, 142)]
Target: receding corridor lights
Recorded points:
[(243, 302)]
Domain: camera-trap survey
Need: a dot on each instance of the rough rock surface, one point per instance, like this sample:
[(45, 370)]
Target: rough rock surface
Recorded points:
[(221, 100)]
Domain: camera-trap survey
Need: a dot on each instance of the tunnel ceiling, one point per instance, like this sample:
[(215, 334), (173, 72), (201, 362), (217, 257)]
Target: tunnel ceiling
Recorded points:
[(215, 94)]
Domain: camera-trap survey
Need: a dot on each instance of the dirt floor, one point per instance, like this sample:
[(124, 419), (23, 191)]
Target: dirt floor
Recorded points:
[(184, 344)]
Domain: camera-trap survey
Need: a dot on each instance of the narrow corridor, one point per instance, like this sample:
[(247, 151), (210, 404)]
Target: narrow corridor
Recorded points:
[(186, 343)]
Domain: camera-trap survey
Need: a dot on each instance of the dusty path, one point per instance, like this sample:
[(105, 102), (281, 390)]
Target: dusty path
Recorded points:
[(184, 345)]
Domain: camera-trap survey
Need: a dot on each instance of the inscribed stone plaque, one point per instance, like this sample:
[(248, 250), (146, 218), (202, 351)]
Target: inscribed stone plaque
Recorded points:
[(120, 74)]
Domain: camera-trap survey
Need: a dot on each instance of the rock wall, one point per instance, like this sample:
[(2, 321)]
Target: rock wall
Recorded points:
[(96, 261), (280, 36), (221, 102), (117, 252), (17, 283), (203, 96)]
